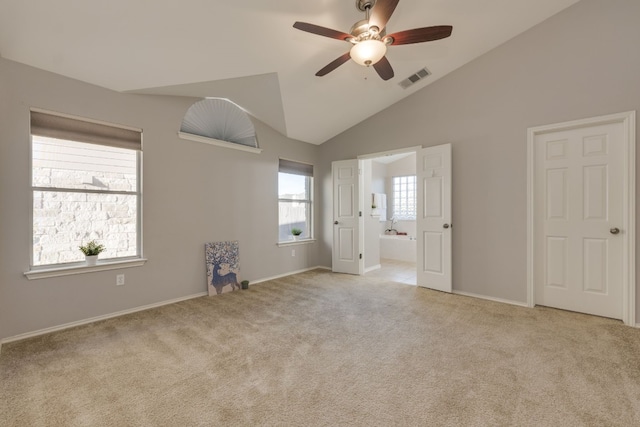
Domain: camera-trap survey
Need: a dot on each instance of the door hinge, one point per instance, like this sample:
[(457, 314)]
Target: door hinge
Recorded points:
[(359, 213), (360, 256)]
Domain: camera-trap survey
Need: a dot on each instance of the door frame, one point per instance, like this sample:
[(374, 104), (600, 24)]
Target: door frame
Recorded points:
[(413, 149), (628, 121)]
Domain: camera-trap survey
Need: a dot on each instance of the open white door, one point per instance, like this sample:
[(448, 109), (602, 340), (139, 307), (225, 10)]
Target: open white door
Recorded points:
[(348, 233), (433, 222)]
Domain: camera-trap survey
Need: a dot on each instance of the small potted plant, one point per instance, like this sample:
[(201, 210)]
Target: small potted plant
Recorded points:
[(91, 251), (296, 233)]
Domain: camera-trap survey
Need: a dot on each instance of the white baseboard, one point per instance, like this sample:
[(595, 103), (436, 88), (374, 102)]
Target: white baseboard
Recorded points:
[(504, 301), (134, 310), (291, 273), (98, 318), (375, 267)]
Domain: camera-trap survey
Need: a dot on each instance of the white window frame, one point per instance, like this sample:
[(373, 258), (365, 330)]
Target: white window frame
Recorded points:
[(63, 269), (397, 212), (304, 169)]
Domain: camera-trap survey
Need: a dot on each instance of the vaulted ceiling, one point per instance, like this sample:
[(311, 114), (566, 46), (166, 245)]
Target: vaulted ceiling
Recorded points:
[(248, 51)]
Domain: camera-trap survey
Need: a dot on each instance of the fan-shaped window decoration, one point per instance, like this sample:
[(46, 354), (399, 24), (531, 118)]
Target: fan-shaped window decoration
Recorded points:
[(219, 122)]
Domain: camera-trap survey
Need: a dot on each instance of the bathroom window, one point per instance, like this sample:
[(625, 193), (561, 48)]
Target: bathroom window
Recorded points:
[(295, 200), (85, 182), (404, 197)]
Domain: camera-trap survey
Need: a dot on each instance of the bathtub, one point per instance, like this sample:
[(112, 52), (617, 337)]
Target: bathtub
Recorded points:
[(402, 248)]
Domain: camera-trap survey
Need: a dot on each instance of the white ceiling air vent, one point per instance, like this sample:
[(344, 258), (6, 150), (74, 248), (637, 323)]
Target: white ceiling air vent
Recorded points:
[(217, 119), (414, 78)]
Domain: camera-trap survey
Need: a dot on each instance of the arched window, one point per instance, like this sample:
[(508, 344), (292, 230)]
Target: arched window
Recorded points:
[(219, 122)]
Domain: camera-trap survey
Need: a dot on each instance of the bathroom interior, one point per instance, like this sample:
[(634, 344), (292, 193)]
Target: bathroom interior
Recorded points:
[(390, 232)]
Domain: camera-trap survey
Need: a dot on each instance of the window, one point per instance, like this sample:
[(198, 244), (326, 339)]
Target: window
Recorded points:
[(404, 197), (295, 200), (86, 185)]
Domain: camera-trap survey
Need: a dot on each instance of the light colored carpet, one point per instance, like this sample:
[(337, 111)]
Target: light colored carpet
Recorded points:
[(320, 349)]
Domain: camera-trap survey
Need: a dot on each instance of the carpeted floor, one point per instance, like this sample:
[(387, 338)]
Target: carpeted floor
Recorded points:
[(321, 349)]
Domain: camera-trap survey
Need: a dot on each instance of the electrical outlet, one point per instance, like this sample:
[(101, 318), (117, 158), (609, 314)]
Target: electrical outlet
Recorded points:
[(120, 280), (293, 252)]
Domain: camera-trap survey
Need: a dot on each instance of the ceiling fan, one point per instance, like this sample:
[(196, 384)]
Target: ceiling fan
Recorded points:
[(370, 39)]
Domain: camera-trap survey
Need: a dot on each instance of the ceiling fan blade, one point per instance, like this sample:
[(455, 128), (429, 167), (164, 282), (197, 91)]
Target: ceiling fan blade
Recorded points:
[(381, 12), (322, 31), (383, 67), (419, 35), (334, 64)]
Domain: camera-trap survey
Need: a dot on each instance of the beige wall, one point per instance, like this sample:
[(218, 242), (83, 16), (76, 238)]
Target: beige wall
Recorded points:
[(193, 193), (583, 62)]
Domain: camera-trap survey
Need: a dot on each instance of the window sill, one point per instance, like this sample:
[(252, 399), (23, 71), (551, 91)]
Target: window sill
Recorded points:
[(296, 242), (218, 143), (47, 272)]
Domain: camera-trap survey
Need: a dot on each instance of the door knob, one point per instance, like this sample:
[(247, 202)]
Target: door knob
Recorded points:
[(445, 226), (335, 222), (614, 230)]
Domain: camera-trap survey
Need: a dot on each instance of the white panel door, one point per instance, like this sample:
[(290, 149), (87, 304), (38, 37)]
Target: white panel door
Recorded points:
[(347, 217), (579, 181), (433, 222)]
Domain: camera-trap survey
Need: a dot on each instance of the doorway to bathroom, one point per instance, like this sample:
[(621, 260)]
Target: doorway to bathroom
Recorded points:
[(369, 205), (390, 204)]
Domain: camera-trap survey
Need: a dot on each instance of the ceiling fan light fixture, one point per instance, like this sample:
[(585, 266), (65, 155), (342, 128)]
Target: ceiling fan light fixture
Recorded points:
[(369, 37), (368, 52)]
